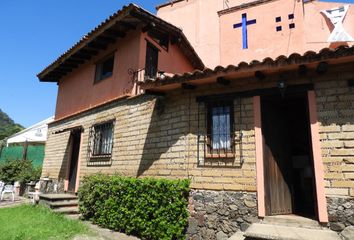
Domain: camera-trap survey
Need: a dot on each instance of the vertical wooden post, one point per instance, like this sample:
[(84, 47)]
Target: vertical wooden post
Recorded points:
[(317, 159), (259, 155), (79, 163)]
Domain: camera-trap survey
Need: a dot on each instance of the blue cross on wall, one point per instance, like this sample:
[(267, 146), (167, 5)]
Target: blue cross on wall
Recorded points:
[(244, 25)]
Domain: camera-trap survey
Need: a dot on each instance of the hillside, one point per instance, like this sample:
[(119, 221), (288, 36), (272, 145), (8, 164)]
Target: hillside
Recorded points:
[(8, 126)]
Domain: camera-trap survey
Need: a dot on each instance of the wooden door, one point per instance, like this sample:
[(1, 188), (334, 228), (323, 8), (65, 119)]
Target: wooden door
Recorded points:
[(277, 159), (74, 159)]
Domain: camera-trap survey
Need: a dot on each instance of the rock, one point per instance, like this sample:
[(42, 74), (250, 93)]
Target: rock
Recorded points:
[(198, 197), (351, 220), (337, 226), (348, 233), (251, 219), (340, 208), (218, 199), (221, 236), (250, 203), (347, 205), (211, 208), (223, 212), (192, 226), (244, 227), (208, 234), (233, 207), (239, 220)]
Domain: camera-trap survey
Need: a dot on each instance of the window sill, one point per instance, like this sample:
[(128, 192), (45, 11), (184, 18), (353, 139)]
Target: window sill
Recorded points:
[(100, 158), (219, 155)]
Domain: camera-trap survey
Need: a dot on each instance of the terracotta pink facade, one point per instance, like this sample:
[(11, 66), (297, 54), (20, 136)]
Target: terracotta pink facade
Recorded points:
[(209, 26), (77, 91)]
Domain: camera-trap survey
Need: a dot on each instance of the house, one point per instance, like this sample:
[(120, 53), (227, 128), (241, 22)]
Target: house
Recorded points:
[(266, 130), (28, 143)]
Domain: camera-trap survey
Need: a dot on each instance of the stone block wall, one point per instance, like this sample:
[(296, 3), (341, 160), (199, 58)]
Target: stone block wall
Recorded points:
[(157, 137), (219, 214), (335, 102)]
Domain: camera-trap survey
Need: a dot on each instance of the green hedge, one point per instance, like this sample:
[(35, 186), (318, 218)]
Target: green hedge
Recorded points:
[(147, 208)]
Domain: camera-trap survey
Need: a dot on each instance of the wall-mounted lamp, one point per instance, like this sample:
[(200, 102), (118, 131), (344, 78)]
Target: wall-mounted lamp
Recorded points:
[(282, 85)]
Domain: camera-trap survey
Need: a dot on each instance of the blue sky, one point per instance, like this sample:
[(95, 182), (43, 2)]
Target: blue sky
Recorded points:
[(33, 34)]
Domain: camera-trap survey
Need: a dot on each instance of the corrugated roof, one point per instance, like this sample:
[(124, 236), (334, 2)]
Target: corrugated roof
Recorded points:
[(255, 65), (95, 40)]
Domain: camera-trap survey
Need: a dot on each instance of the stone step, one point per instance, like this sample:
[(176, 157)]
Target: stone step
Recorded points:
[(278, 232), (67, 210), (57, 197), (292, 221), (68, 203)]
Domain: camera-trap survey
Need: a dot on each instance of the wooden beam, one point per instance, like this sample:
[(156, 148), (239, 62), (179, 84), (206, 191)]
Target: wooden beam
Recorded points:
[(223, 81), (115, 33), (97, 45), (106, 39), (73, 60), (127, 26)]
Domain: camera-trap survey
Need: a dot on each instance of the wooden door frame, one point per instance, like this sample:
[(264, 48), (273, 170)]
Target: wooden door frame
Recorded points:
[(317, 158), (66, 181)]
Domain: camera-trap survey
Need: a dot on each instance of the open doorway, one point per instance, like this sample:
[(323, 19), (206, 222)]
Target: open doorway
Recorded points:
[(287, 153), (73, 163)]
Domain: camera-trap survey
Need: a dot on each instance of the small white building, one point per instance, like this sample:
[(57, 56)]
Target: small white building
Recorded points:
[(34, 134)]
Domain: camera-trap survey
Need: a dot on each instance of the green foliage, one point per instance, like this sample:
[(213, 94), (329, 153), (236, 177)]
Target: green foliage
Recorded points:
[(147, 208), (7, 126), (27, 222), (19, 170)]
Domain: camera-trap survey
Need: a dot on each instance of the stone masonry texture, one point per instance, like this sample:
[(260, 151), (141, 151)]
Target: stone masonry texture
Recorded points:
[(157, 136)]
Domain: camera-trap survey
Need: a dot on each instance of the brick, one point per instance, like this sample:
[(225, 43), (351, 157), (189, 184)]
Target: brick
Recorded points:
[(349, 176), (334, 175), (348, 128), (349, 144), (330, 128), (332, 144), (343, 184), (342, 152), (351, 192), (233, 187), (344, 135), (337, 191), (213, 186)]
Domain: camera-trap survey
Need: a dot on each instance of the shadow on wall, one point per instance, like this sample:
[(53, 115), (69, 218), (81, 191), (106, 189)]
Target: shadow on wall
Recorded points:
[(171, 141), (165, 137)]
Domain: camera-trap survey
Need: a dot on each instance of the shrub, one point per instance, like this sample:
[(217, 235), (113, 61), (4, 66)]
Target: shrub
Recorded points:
[(19, 170), (147, 208)]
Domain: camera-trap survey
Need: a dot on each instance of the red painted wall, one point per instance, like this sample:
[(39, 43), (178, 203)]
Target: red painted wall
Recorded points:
[(77, 91)]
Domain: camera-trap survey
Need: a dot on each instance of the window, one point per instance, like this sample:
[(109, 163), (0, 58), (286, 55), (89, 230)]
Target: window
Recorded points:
[(104, 68), (278, 28), (101, 140), (278, 19), (291, 16), (291, 25), (151, 62), (220, 129)]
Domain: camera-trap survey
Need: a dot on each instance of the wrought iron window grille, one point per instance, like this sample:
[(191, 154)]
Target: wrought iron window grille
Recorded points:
[(100, 144), (219, 141)]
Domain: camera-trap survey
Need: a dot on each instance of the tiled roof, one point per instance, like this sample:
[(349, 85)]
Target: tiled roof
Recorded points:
[(114, 27), (267, 63)]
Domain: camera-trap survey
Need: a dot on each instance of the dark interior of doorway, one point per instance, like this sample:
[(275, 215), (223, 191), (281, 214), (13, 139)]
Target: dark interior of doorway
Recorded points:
[(287, 138)]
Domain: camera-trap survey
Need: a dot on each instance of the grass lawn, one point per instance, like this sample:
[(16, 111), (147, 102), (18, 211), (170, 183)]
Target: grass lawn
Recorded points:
[(27, 222)]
